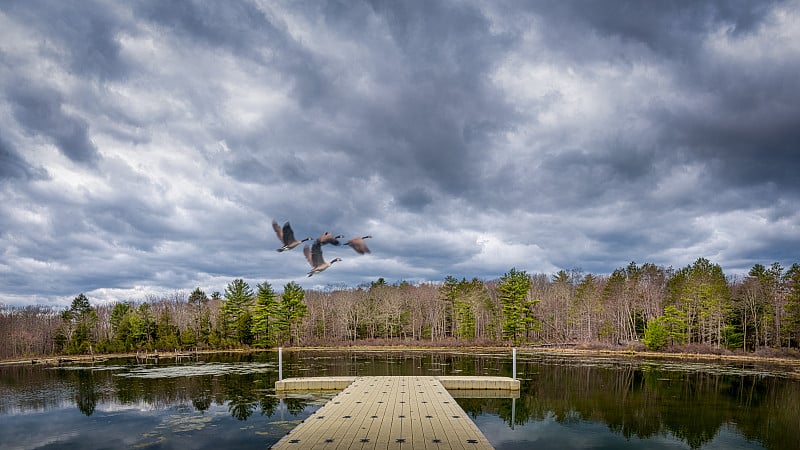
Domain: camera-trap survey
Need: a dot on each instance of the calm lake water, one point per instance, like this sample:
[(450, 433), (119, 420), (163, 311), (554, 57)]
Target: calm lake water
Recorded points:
[(228, 401)]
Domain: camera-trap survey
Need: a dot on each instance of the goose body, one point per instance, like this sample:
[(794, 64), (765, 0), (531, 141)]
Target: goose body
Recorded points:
[(314, 257), (358, 244), (327, 238), (286, 236)]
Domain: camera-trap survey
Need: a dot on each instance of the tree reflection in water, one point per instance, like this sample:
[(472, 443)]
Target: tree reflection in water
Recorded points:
[(85, 395), (632, 398)]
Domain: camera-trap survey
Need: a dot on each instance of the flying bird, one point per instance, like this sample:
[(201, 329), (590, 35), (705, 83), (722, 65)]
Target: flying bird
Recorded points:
[(327, 238), (314, 257), (286, 236), (358, 244)]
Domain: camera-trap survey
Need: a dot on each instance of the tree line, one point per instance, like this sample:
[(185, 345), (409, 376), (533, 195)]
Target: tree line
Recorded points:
[(648, 304)]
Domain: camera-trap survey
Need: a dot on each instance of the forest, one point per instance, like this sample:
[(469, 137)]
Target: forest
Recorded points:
[(639, 306)]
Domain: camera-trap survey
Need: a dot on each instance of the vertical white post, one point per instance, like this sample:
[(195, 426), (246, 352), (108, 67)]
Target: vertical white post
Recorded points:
[(513, 412), (280, 363), (514, 363)]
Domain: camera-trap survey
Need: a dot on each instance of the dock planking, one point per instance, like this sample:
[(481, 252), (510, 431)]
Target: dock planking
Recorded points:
[(389, 412), (492, 386)]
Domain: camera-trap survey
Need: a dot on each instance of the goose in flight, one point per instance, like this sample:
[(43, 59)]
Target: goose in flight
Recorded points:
[(327, 238), (286, 236), (314, 257), (358, 244)]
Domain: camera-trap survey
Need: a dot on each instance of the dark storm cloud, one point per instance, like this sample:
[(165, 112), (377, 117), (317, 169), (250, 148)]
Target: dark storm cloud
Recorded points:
[(748, 144), (249, 170), (442, 106), (84, 35), (443, 110), (747, 132), (748, 125), (40, 110), (415, 199)]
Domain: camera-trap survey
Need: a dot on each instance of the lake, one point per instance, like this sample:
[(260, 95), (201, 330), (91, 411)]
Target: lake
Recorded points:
[(220, 401)]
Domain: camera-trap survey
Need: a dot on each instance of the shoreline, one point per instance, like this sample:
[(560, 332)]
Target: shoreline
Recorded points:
[(569, 352)]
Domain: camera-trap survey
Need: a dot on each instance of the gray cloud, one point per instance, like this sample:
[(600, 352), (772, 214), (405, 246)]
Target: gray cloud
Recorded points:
[(40, 110), (84, 39), (668, 29), (467, 138), (14, 166)]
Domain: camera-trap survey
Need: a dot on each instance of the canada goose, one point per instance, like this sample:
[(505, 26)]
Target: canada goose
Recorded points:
[(314, 257), (286, 236), (327, 238), (358, 244)]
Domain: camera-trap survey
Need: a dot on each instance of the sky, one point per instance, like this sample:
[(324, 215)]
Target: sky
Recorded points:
[(147, 146)]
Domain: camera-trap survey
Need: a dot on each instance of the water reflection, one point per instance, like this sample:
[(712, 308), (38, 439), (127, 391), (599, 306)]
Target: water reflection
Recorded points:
[(86, 397), (622, 402), (642, 405)]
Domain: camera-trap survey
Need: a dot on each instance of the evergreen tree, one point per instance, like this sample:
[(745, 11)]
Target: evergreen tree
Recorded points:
[(120, 325), (462, 298), (143, 328), (238, 299), (518, 317), (674, 322), (244, 326), (655, 335), (197, 297), (700, 291), (168, 334), (198, 302), (265, 313), (464, 317), (117, 316), (77, 323), (448, 292), (293, 310)]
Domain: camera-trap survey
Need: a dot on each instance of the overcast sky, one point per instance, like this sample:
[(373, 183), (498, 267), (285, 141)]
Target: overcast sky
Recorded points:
[(146, 146)]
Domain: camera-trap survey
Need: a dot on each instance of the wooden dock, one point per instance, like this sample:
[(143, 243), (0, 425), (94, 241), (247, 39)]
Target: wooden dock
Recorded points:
[(390, 412)]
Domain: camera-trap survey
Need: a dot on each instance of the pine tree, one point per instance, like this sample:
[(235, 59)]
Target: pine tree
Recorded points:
[(700, 291), (293, 309), (120, 325), (199, 307), (655, 335), (235, 308), (518, 316), (265, 313), (168, 333), (77, 323), (460, 298)]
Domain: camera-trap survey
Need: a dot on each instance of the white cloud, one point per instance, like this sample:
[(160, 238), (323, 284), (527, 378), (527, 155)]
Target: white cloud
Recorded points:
[(499, 256)]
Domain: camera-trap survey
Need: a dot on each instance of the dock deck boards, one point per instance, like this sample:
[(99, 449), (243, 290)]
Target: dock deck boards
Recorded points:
[(388, 412)]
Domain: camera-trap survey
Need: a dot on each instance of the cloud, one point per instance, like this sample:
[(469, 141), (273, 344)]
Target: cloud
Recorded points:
[(40, 111), (147, 146), (14, 166)]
